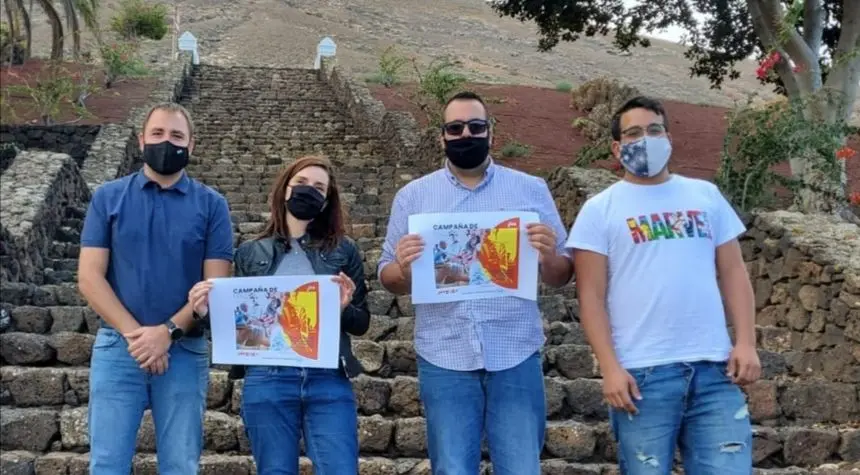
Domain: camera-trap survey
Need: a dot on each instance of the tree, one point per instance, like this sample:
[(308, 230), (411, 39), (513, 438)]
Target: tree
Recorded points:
[(813, 46)]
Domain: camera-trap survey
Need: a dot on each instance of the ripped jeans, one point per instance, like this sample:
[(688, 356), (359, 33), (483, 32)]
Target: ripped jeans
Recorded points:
[(694, 405)]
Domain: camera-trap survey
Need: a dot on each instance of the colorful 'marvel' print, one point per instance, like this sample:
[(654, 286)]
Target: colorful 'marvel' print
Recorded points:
[(670, 225), (300, 319), (499, 253)]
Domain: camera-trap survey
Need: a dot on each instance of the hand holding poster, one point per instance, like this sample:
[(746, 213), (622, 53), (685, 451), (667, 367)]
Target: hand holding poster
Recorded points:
[(471, 256), (276, 321)]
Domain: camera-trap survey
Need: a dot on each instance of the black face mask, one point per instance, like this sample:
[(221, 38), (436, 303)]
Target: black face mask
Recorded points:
[(467, 153), (165, 158), (305, 203)]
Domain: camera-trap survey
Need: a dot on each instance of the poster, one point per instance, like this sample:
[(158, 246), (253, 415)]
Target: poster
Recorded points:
[(275, 321), (471, 256)]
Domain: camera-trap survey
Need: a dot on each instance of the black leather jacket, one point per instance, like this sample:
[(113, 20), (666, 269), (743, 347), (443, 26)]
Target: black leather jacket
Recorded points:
[(261, 258)]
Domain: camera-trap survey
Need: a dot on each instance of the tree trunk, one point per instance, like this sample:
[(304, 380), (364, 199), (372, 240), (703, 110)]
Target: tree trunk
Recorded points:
[(73, 26), (820, 192), (56, 29), (28, 30), (830, 102)]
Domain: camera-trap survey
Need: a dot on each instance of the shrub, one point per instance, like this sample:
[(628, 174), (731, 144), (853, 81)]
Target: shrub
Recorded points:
[(564, 86), (390, 66), (761, 137), (12, 49), (515, 149), (53, 87), (601, 91), (599, 99), (138, 19), (120, 60), (436, 84)]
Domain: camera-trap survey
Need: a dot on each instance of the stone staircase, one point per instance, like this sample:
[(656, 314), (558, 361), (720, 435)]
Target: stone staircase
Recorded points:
[(249, 122)]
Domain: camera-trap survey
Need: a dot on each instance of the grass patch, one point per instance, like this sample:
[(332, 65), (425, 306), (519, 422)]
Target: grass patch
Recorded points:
[(514, 149), (564, 86)]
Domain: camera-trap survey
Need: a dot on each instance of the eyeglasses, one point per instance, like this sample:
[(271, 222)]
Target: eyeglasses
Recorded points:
[(637, 132), (456, 127)]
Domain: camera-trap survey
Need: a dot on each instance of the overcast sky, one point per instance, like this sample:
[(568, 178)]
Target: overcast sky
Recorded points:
[(671, 34)]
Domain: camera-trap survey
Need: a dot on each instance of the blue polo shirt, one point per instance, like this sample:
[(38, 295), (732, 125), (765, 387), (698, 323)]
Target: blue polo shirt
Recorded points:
[(158, 239)]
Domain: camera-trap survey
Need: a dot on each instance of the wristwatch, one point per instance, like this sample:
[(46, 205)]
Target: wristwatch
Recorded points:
[(175, 332)]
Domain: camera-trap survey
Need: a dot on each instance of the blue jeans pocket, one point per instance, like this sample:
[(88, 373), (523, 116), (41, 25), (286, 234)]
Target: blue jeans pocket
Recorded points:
[(199, 346), (106, 338)]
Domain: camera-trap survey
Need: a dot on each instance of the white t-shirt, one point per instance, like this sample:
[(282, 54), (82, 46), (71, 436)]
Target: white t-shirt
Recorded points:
[(663, 299)]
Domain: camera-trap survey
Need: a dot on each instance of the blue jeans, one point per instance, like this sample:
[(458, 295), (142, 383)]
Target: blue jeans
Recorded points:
[(693, 404), (461, 406), (281, 404), (120, 391)]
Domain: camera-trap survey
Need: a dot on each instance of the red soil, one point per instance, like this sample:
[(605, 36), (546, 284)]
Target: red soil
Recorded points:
[(105, 105), (542, 118)]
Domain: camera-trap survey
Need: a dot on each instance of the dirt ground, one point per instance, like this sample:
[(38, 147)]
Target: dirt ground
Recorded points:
[(542, 119), (103, 106)]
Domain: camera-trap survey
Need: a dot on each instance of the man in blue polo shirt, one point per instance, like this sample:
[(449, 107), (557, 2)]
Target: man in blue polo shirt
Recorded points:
[(147, 239)]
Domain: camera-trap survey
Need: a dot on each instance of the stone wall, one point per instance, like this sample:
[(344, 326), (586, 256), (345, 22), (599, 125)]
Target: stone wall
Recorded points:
[(8, 150), (405, 143), (806, 273), (36, 190), (72, 140)]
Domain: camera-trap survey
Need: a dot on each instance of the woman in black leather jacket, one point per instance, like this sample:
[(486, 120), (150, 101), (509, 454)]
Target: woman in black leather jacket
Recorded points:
[(304, 235)]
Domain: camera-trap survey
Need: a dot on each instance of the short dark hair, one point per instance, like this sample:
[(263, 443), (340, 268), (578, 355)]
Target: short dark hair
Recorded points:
[(638, 102), (466, 96)]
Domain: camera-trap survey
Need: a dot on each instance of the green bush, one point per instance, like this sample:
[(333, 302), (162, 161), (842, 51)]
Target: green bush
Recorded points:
[(759, 138), (121, 60), (390, 66), (138, 19), (515, 149), (564, 86)]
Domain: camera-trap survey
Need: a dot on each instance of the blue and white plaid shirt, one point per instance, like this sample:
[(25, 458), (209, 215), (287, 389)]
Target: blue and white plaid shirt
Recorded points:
[(492, 334)]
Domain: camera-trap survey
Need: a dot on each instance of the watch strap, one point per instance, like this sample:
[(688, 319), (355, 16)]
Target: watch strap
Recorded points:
[(174, 331)]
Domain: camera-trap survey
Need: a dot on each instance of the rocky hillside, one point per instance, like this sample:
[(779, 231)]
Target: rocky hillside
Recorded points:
[(492, 49)]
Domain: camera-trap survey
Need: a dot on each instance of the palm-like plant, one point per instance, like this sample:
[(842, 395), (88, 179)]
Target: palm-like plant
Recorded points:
[(87, 9)]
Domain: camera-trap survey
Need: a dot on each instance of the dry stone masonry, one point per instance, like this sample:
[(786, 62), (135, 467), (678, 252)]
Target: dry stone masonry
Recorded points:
[(69, 139), (35, 191), (250, 122)]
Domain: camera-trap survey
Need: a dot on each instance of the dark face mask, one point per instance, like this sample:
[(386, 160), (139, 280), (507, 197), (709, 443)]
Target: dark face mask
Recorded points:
[(165, 158), (467, 153), (305, 203)]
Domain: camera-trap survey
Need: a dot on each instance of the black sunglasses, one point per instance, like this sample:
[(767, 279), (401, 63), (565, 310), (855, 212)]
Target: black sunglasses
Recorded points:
[(456, 127)]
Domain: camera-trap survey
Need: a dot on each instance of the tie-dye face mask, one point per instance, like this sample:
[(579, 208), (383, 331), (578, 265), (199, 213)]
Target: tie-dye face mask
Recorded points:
[(647, 156)]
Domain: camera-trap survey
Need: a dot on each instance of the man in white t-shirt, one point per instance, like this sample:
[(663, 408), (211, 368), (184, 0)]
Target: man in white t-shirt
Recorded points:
[(648, 252)]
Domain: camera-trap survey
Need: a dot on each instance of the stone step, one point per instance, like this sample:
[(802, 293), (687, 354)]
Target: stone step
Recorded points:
[(37, 429), (296, 110), (28, 387), (64, 249), (21, 462), (34, 428), (69, 234), (281, 87), (71, 344), (253, 183), (283, 136), (365, 167), (770, 401), (62, 264), (56, 277)]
